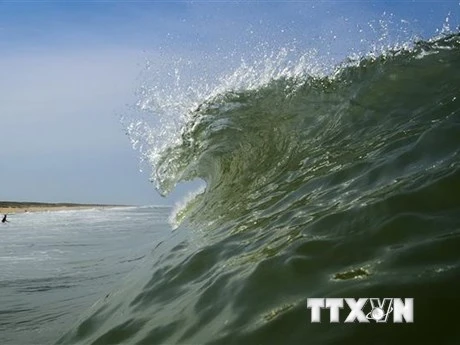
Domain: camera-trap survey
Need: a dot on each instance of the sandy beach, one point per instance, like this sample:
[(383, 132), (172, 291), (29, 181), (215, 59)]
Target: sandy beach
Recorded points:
[(7, 207)]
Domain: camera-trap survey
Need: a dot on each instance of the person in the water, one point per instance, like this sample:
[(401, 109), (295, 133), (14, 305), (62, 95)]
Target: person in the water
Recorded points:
[(4, 219)]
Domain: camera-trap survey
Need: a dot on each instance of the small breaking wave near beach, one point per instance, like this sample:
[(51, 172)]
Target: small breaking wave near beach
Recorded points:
[(336, 181)]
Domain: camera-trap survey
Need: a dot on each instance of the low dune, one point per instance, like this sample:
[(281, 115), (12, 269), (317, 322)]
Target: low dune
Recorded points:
[(10, 207)]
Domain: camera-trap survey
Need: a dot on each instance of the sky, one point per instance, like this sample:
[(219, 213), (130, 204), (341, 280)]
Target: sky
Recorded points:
[(70, 70)]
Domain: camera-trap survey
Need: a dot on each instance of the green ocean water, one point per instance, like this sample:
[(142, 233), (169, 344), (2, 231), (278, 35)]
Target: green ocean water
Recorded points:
[(344, 185)]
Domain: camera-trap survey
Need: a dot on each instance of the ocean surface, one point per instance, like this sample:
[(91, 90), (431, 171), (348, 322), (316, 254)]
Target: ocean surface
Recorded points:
[(55, 265), (341, 184)]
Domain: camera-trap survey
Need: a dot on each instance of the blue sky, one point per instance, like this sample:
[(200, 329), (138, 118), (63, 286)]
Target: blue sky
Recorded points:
[(69, 70)]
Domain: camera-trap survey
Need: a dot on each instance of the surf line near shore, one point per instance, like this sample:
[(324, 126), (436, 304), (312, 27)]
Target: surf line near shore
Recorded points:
[(12, 207)]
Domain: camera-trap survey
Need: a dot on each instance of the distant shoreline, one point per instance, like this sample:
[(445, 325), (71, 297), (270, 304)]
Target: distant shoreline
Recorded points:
[(11, 207)]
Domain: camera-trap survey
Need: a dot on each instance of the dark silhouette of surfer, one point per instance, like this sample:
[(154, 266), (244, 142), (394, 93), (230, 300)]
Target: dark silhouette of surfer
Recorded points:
[(4, 219)]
